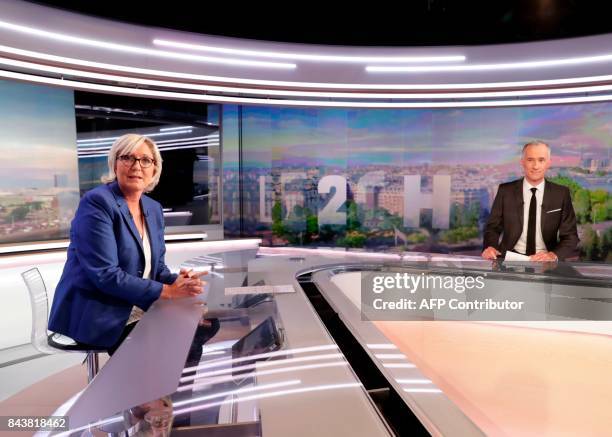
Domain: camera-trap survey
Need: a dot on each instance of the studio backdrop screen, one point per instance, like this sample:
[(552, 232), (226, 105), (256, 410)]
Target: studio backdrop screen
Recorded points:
[(39, 187), (389, 180), (419, 180)]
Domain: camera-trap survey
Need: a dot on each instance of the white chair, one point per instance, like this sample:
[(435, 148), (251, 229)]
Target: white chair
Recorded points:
[(42, 340)]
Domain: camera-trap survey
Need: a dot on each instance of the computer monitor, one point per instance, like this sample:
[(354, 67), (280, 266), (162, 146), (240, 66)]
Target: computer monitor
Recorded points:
[(264, 338)]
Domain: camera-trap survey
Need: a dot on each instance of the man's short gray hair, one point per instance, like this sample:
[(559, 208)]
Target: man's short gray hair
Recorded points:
[(535, 143), (126, 144)]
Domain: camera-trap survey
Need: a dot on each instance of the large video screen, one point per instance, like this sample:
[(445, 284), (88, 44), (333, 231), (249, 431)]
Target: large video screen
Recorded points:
[(39, 188), (417, 180)]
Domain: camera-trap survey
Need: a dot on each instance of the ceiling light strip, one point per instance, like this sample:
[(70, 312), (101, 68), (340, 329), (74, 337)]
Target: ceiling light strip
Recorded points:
[(154, 134), (163, 129), (165, 149), (299, 103), (327, 95), (274, 83), (161, 149), (307, 56), (56, 36), (205, 138), (189, 144), (105, 145), (84, 153), (490, 67), (242, 62)]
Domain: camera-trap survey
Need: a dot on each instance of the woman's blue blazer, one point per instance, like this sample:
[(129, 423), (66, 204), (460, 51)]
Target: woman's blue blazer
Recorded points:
[(102, 279)]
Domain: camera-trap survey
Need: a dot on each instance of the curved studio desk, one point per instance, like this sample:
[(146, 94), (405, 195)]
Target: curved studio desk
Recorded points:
[(457, 378), (305, 388), (503, 378)]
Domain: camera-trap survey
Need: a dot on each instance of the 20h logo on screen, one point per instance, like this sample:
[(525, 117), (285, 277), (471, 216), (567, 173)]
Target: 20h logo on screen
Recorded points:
[(438, 201)]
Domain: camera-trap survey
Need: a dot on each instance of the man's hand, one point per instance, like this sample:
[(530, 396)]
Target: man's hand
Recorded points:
[(544, 256), (490, 253)]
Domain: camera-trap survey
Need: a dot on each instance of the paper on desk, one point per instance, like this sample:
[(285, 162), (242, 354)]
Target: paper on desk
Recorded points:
[(513, 256), (260, 289)]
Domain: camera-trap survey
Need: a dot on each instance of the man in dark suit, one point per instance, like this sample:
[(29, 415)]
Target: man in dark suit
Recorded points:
[(534, 217)]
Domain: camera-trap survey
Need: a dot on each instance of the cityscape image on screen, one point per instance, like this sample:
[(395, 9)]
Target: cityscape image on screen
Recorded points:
[(417, 180), (39, 188)]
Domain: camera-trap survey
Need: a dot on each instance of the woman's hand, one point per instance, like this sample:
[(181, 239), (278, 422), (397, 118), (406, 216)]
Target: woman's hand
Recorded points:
[(189, 273), (187, 284)]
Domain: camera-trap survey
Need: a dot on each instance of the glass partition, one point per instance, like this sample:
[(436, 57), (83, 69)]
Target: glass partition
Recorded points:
[(187, 135)]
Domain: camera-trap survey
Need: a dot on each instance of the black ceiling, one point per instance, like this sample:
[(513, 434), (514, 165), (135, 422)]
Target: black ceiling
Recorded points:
[(408, 23)]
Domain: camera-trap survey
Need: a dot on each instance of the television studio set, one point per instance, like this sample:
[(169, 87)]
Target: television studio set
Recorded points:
[(387, 225)]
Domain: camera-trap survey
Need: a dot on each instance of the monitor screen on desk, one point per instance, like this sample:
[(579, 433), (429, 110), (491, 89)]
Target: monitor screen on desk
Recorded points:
[(264, 338)]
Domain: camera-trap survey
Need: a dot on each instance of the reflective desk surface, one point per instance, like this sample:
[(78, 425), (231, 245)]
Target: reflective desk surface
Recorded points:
[(236, 365), (251, 365), (546, 376)]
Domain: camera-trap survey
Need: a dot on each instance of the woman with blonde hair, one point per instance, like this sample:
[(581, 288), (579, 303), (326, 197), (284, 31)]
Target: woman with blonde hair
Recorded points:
[(115, 268)]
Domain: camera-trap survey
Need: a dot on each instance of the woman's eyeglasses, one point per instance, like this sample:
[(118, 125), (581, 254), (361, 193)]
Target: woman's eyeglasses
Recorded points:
[(129, 161)]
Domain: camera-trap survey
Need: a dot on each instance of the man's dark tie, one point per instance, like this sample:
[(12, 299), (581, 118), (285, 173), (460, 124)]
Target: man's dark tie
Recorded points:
[(531, 224)]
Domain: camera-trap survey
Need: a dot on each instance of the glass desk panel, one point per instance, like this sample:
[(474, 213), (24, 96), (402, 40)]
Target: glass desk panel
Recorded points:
[(509, 378), (238, 356)]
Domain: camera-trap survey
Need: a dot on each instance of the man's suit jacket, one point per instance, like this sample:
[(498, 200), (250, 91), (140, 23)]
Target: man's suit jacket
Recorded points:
[(102, 278), (558, 220)]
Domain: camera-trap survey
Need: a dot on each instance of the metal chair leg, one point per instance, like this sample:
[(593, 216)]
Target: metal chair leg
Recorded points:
[(93, 366)]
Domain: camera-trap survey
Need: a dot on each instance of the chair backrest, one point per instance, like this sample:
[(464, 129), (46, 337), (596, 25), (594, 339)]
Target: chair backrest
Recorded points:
[(40, 307)]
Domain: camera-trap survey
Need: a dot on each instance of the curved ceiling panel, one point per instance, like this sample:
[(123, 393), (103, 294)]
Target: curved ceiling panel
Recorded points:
[(46, 45)]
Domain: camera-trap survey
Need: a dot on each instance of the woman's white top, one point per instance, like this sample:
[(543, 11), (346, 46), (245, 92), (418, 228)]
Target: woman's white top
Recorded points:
[(137, 313)]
